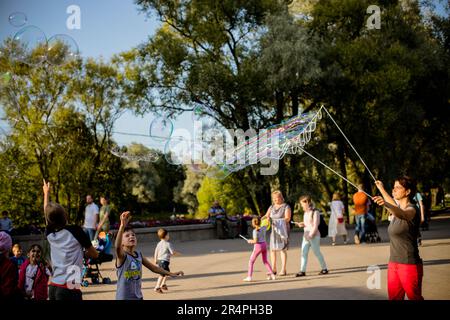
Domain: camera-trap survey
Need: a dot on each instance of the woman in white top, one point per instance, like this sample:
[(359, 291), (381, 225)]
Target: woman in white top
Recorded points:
[(336, 225), (311, 235)]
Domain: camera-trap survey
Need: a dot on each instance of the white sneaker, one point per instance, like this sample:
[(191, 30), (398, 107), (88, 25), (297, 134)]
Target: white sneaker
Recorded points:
[(248, 279), (272, 277)]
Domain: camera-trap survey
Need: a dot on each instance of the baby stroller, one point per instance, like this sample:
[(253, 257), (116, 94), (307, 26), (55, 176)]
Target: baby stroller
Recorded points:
[(91, 266), (372, 235)]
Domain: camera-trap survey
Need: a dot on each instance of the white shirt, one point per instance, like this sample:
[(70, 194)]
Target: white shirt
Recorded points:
[(66, 252), (311, 226), (90, 216), (30, 274), (336, 208)]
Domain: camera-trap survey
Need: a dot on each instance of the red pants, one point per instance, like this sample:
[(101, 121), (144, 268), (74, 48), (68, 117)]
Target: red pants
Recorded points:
[(405, 278)]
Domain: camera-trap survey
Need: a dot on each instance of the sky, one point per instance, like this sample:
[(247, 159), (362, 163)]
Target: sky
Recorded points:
[(107, 27)]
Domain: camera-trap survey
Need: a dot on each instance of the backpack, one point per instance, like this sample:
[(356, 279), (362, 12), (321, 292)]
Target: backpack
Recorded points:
[(323, 227)]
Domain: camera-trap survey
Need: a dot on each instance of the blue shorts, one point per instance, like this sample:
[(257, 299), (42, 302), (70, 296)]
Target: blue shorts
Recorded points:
[(163, 264)]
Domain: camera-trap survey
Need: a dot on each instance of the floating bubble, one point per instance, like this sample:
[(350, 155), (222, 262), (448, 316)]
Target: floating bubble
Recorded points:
[(312, 126), (62, 49), (178, 151), (17, 19), (217, 172), (147, 157), (161, 129), (319, 114), (31, 45), (307, 135)]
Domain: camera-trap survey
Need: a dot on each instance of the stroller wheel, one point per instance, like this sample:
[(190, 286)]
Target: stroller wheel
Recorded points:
[(85, 283), (106, 281), (95, 281)]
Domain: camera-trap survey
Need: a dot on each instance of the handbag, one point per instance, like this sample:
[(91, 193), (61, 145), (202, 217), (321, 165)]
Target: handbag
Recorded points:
[(323, 227)]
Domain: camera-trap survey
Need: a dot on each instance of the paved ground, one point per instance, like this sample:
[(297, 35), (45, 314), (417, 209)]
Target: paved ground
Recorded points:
[(214, 270)]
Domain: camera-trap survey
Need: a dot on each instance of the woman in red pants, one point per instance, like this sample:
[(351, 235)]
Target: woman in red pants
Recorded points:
[(405, 269)]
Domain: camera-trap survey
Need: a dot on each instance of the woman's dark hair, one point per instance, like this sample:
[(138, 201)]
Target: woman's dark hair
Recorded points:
[(409, 184)]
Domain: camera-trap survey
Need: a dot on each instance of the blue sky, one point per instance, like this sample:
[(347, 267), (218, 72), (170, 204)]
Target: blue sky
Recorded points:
[(107, 27)]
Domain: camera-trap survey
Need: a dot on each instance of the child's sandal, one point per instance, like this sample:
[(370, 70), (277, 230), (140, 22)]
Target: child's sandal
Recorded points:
[(164, 287), (158, 290)]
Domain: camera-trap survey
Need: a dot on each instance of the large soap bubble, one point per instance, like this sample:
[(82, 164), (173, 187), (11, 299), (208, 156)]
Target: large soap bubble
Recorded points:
[(31, 45), (62, 49)]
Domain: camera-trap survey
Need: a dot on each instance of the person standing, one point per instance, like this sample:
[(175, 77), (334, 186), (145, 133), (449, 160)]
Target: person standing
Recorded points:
[(105, 212), (311, 235), (362, 204), (5, 223), (336, 225), (280, 214), (218, 217), (405, 268), (91, 213)]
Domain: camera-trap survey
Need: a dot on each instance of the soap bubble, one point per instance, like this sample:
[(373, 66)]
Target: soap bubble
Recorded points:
[(31, 44), (62, 49), (178, 151), (17, 19), (161, 129)]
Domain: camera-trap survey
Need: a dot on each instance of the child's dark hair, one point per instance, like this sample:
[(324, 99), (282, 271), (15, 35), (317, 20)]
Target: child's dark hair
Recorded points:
[(162, 233), (56, 216), (409, 184), (35, 245), (306, 197), (128, 228)]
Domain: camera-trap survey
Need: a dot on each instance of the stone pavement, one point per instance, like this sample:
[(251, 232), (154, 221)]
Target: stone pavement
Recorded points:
[(214, 269)]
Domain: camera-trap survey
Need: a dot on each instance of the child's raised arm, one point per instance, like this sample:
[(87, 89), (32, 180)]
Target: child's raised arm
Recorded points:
[(46, 189), (124, 219), (159, 270)]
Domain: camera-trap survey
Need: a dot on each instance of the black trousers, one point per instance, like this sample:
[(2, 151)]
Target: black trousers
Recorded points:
[(58, 293)]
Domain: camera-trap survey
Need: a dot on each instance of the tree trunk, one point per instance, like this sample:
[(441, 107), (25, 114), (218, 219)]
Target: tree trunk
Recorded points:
[(343, 169), (279, 118)]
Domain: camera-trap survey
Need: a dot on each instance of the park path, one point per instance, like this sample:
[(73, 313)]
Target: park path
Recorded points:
[(215, 268)]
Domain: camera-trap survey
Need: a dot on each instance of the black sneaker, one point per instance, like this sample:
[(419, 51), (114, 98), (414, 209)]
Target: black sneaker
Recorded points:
[(300, 274), (324, 271)]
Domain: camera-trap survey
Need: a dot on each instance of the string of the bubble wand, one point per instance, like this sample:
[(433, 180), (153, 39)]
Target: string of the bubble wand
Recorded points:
[(342, 177), (370, 172)]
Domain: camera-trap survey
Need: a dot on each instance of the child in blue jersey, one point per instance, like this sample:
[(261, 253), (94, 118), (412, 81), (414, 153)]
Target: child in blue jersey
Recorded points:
[(129, 263)]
